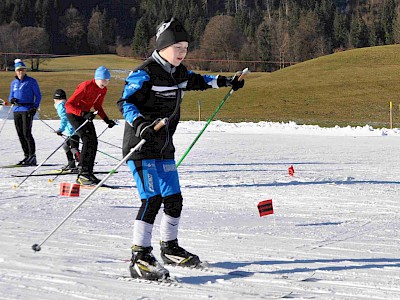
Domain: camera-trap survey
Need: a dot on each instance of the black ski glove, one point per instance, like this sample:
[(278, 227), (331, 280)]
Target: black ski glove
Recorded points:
[(14, 101), (59, 132), (144, 129), (111, 123), (32, 111), (230, 81), (234, 82), (88, 115)]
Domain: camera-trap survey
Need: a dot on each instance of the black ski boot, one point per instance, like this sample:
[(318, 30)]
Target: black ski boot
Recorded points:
[(87, 179), (173, 254), (31, 161), (22, 162), (71, 167), (144, 265)]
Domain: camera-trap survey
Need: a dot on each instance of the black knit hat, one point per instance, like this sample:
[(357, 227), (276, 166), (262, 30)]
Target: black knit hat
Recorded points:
[(60, 94), (170, 32)]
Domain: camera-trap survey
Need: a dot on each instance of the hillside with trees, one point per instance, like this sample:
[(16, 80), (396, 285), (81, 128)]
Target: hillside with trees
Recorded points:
[(272, 33)]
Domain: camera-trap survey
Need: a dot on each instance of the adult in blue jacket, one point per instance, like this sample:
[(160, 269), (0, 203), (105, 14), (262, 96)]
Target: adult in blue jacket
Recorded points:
[(25, 96)]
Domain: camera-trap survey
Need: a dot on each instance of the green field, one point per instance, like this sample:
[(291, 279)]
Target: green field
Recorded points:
[(347, 88)]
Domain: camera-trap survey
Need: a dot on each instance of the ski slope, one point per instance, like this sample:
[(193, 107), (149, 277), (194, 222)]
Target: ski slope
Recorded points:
[(334, 234)]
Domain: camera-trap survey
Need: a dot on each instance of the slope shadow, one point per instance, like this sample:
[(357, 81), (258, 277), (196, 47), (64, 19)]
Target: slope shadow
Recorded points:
[(293, 183), (259, 164), (353, 264)]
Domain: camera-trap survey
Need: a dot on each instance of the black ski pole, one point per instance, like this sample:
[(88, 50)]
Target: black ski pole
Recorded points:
[(17, 186), (47, 125), (244, 72), (37, 247), (104, 153), (116, 121), (81, 142), (102, 132), (107, 143)]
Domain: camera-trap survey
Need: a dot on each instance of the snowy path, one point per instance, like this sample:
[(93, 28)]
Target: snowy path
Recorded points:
[(335, 233)]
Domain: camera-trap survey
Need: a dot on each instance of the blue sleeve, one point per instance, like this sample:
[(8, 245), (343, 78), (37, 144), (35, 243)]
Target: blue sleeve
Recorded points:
[(211, 80), (134, 83), (11, 91), (63, 117), (37, 93)]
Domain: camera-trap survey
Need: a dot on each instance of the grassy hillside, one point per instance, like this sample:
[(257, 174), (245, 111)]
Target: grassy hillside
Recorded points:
[(347, 88)]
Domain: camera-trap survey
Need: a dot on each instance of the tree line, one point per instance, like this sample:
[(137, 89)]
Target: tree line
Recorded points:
[(271, 32)]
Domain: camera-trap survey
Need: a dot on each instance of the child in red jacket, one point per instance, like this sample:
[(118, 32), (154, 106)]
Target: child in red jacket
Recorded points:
[(88, 94)]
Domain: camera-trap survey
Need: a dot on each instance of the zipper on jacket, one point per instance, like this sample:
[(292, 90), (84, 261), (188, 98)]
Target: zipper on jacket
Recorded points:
[(177, 105)]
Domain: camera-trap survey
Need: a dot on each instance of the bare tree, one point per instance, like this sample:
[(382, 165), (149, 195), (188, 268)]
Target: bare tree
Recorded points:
[(279, 35), (9, 42), (222, 40), (307, 42), (35, 40), (99, 32)]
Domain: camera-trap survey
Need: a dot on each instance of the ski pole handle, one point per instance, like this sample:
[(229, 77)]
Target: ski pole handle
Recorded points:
[(161, 124), (243, 73)]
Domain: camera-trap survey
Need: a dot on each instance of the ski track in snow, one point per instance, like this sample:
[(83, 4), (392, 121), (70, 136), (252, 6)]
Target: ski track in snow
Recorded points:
[(334, 233)]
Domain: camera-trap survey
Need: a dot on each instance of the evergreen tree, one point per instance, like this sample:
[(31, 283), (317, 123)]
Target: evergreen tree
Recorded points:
[(72, 27), (195, 23), (264, 45), (388, 17), (326, 15), (42, 15), (358, 36), (340, 30), (140, 40), (20, 11)]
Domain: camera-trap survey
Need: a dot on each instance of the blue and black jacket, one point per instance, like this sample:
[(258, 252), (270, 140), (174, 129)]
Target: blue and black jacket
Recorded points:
[(155, 90), (27, 93), (65, 125)]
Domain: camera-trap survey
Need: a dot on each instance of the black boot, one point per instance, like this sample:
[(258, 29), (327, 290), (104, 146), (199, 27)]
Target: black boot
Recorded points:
[(22, 162), (31, 161), (173, 254), (144, 265), (87, 179), (71, 166)]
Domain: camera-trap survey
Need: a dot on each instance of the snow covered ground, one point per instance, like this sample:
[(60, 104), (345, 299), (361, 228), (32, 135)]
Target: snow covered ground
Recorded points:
[(334, 234)]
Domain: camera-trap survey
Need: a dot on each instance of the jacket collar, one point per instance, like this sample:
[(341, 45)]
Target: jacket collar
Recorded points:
[(164, 64), (23, 79)]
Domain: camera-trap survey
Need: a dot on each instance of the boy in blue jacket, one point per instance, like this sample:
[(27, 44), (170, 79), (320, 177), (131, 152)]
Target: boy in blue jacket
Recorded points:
[(25, 96), (71, 145), (154, 90)]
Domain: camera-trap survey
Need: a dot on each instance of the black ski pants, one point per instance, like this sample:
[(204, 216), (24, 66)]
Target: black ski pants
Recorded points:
[(89, 140), (23, 124)]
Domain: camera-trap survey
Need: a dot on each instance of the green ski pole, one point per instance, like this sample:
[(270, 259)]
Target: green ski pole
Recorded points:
[(244, 72)]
